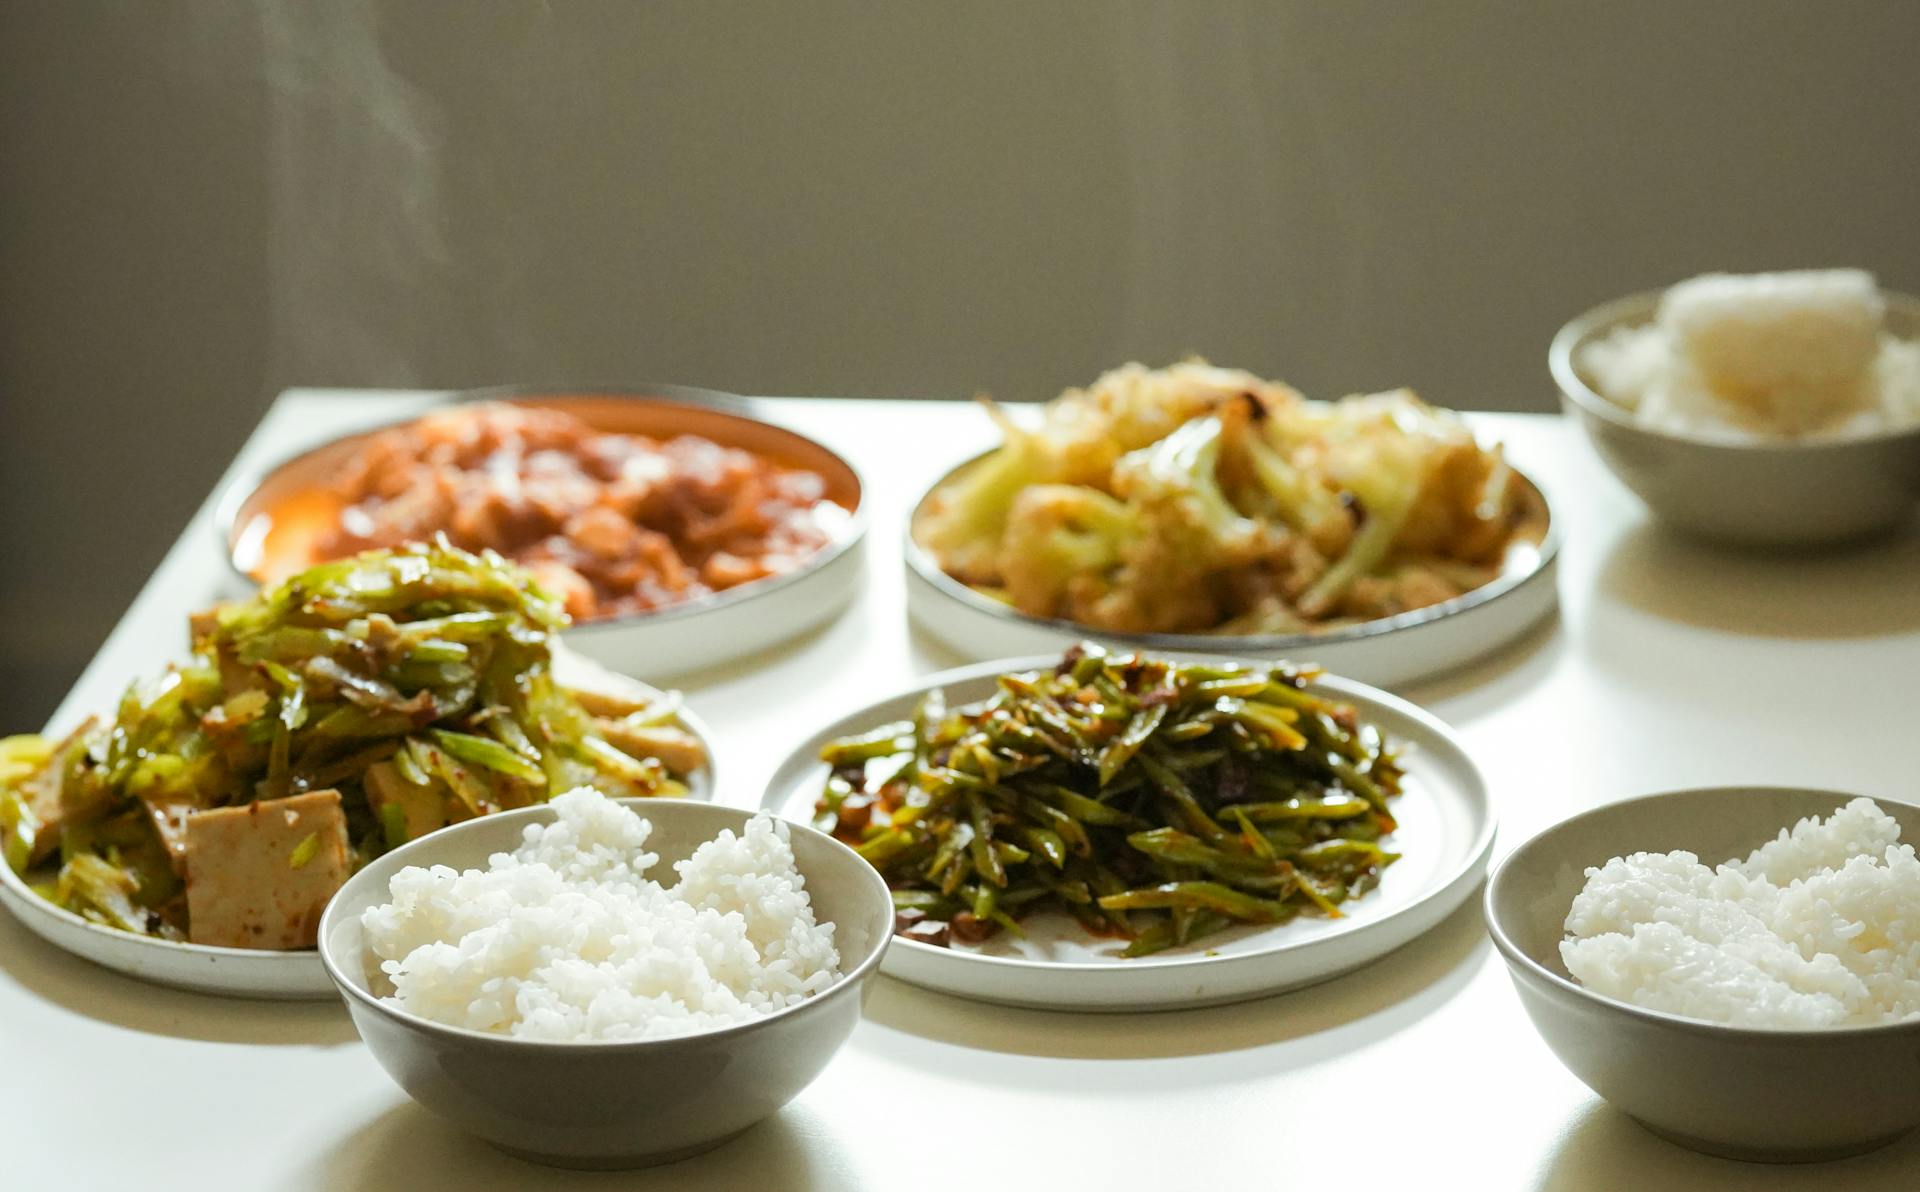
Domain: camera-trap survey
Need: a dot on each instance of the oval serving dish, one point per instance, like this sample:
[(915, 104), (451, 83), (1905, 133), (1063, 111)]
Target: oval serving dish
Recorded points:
[(1388, 651), (268, 523), (1445, 835), (252, 973)]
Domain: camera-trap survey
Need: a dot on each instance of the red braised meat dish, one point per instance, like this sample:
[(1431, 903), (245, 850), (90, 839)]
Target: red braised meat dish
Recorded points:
[(609, 523)]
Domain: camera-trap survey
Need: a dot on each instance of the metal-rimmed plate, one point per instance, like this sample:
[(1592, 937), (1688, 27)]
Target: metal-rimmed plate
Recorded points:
[(245, 972), (1445, 835), (268, 520), (1388, 651)]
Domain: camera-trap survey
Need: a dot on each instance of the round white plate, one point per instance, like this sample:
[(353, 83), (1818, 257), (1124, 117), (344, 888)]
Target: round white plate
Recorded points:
[(245, 972), (1445, 835), (1388, 652)]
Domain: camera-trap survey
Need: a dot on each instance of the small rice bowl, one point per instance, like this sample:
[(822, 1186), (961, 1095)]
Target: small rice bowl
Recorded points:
[(1818, 928), (568, 939)]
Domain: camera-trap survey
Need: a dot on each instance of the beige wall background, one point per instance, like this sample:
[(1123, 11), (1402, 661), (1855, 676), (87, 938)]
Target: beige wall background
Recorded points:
[(205, 201)]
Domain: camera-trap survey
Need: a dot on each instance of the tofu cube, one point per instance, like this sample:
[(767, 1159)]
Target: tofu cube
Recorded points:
[(169, 822), (421, 809), (678, 750), (259, 875), (52, 802)]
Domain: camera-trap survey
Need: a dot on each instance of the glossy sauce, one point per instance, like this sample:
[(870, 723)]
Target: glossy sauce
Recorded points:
[(610, 523)]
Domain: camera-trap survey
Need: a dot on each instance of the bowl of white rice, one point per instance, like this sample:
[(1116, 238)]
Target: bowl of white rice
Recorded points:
[(608, 983), (1737, 968), (1773, 409)]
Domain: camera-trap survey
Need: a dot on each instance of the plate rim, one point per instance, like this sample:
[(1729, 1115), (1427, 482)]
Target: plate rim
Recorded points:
[(1474, 858)]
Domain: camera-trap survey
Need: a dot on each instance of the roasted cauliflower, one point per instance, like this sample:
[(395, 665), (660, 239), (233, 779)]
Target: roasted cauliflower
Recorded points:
[(1195, 499)]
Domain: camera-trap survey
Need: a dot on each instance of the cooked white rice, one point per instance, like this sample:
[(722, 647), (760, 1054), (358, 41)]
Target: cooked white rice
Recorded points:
[(566, 938), (1747, 357), (1819, 928)]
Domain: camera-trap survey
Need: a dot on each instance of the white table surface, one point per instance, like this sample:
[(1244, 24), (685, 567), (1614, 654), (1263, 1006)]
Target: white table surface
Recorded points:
[(1668, 666)]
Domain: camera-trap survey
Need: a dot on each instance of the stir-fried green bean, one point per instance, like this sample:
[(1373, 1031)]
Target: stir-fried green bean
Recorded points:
[(1149, 799), (417, 683)]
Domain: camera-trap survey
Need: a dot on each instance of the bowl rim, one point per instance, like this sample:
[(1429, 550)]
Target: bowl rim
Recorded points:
[(1479, 852), (850, 980), (1525, 965), (1637, 308), (927, 569), (238, 491)]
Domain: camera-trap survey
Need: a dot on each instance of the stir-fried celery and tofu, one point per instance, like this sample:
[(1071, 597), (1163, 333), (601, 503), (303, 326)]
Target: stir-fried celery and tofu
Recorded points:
[(326, 720), (1195, 499), (1153, 801)]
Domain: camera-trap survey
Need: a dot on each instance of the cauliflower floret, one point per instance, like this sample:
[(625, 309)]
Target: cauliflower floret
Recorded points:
[(1421, 480), (1177, 572), (964, 520), (1194, 498), (1139, 406), (1254, 462), (1061, 537)]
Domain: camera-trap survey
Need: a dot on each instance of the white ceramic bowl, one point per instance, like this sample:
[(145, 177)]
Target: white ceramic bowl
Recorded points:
[(1742, 1093), (1445, 835), (249, 972), (267, 521), (1386, 652), (613, 1104), (1777, 494)]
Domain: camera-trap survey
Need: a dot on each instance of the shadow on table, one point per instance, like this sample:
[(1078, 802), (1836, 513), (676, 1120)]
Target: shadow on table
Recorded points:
[(85, 988), (850, 624), (409, 1148), (1392, 992), (1604, 1150), (937, 653), (1863, 590), (758, 662), (925, 653), (1495, 680)]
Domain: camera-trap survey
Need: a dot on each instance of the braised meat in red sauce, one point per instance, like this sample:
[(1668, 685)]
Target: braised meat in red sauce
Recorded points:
[(609, 523)]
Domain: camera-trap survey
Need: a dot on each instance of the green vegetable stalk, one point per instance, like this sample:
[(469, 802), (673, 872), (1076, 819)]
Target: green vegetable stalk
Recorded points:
[(418, 683), (1152, 800)]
